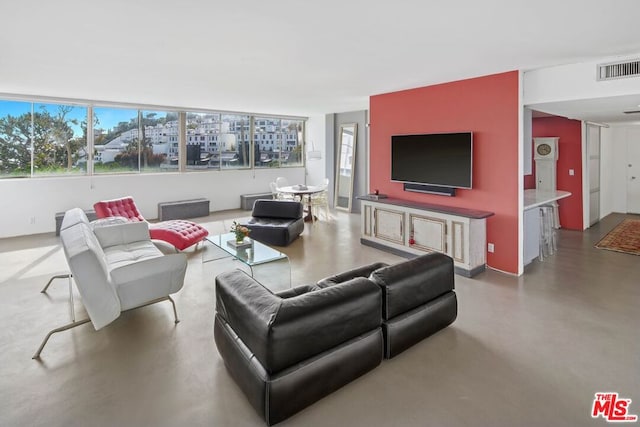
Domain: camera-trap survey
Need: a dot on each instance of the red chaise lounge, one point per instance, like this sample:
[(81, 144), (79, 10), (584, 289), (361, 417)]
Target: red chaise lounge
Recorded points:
[(180, 233)]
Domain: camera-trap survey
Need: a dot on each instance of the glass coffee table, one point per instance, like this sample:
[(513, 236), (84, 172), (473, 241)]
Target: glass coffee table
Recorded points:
[(267, 265)]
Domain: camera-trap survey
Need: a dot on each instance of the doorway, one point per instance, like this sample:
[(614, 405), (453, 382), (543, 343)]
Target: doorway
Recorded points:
[(633, 171), (593, 171)]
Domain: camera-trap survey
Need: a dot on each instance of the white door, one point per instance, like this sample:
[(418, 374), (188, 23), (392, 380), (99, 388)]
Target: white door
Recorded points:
[(633, 171), (593, 152)]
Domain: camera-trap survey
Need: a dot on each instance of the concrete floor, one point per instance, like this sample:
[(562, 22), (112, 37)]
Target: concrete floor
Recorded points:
[(524, 351)]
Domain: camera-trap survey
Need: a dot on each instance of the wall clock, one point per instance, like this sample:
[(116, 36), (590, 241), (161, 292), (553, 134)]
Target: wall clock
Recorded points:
[(544, 149)]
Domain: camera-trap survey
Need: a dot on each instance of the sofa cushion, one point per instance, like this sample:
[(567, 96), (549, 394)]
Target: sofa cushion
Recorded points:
[(298, 290), (363, 271), (411, 283), (122, 233), (120, 255), (106, 222), (275, 231), (125, 207), (286, 209), (268, 222), (283, 332), (407, 329), (180, 233), (148, 279)]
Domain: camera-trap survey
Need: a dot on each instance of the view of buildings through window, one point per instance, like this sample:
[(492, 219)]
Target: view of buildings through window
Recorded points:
[(37, 139)]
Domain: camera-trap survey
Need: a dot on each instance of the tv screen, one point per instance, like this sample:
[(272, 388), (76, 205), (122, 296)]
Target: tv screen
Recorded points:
[(439, 159)]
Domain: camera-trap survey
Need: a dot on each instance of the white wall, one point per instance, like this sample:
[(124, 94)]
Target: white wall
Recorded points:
[(575, 81), (30, 204), (316, 134)]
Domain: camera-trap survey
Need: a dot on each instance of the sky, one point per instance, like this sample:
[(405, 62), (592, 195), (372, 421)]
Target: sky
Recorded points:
[(107, 117)]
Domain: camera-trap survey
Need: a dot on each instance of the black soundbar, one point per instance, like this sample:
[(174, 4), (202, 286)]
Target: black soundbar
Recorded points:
[(431, 189)]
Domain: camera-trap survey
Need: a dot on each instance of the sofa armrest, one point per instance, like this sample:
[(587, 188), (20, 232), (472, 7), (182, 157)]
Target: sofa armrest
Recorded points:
[(87, 263), (409, 284), (277, 209), (248, 308), (363, 271), (122, 234), (283, 332)]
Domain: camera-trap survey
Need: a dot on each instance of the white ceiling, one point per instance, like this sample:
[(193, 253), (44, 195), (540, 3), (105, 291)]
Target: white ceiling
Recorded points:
[(610, 110), (292, 57)]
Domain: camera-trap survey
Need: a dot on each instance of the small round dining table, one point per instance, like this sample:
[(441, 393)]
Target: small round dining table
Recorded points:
[(301, 191)]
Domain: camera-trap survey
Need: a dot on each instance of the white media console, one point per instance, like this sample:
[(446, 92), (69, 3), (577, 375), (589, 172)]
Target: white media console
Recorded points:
[(410, 228)]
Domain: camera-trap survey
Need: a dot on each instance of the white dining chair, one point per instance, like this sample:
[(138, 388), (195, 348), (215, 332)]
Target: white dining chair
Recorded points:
[(278, 195), (281, 182), (321, 200), (274, 190)]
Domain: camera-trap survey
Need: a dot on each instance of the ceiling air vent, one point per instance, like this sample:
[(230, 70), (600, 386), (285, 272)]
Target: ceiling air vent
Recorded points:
[(619, 70)]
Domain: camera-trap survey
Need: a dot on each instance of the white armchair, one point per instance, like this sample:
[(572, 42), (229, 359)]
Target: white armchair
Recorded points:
[(116, 268)]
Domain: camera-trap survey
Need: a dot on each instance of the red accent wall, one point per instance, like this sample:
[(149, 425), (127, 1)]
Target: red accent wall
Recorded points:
[(569, 157), (487, 106)]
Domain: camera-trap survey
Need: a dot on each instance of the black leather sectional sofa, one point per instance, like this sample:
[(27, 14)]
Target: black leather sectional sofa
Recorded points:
[(290, 349)]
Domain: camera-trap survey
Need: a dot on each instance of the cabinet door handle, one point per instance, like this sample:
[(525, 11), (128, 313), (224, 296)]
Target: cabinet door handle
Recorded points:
[(401, 233)]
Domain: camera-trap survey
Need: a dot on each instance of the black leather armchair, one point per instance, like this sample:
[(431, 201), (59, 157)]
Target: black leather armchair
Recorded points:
[(288, 350), (418, 297), (276, 222)]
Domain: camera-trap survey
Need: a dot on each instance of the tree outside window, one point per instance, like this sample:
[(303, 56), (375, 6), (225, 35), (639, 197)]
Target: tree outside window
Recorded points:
[(42, 139)]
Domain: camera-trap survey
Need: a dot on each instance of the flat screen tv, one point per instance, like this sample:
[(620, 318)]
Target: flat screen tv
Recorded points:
[(438, 159)]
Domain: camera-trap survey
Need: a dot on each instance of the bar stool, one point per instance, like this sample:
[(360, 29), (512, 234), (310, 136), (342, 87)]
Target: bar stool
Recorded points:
[(548, 235)]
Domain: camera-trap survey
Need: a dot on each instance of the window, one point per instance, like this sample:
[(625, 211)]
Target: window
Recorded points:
[(116, 140), (292, 141), (206, 125), (155, 149), (42, 139), (234, 144), (15, 139), (52, 139), (134, 140), (227, 144), (278, 142)]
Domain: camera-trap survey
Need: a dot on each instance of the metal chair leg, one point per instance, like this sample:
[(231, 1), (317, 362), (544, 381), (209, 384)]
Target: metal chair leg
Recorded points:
[(53, 331), (175, 313), (59, 276), (82, 322)]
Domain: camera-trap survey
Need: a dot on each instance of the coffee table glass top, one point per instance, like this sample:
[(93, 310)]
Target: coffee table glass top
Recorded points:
[(257, 253)]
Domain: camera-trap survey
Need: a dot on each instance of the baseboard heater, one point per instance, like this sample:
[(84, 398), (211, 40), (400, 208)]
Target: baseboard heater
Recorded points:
[(430, 189)]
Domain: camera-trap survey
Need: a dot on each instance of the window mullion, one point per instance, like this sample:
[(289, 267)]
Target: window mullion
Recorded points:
[(90, 140), (252, 160), (33, 135), (182, 141)]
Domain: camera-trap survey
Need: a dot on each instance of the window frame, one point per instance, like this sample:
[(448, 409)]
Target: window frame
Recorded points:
[(182, 136)]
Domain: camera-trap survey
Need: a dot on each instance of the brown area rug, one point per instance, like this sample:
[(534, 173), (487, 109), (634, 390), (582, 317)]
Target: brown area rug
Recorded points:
[(625, 237)]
